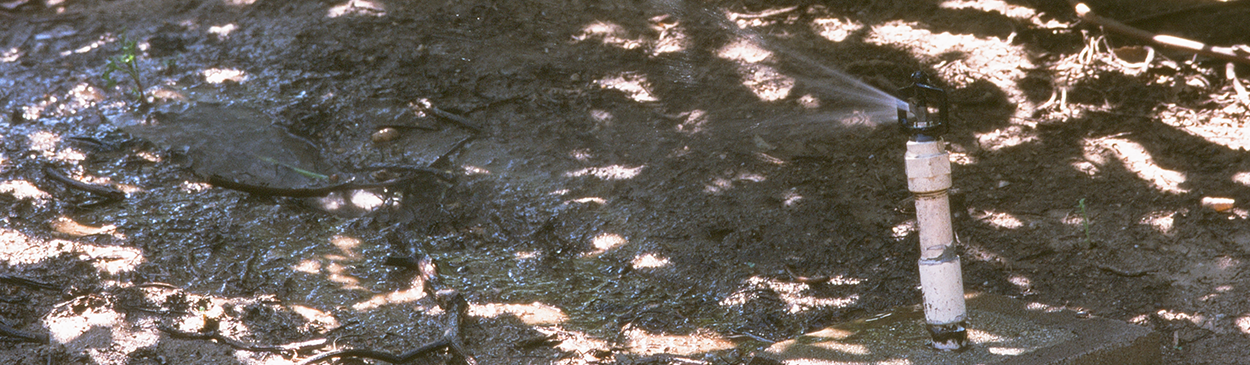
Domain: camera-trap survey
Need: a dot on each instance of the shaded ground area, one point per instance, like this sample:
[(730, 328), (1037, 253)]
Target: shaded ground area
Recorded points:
[(603, 182)]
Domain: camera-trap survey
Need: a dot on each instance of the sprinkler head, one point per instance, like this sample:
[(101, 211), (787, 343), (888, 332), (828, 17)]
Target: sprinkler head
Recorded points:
[(916, 109)]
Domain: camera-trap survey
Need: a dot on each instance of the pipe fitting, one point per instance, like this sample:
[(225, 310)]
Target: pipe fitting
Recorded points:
[(928, 167)]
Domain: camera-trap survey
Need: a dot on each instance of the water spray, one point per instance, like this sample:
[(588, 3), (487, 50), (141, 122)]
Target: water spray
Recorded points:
[(923, 114)]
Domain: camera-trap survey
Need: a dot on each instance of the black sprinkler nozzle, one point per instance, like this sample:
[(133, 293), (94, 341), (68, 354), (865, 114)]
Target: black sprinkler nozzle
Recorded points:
[(914, 109)]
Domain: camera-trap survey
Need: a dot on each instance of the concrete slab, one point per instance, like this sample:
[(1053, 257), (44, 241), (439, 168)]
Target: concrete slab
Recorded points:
[(1002, 330)]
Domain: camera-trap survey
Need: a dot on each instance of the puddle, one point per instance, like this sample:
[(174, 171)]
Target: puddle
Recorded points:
[(238, 143)]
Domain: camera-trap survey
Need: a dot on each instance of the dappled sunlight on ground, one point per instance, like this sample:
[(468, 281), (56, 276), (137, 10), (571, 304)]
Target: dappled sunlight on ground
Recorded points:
[(401, 296), (90, 46), (903, 229), (1002, 7), (239, 3), (357, 7), (1134, 157), (47, 143), (533, 314), (610, 34), (221, 75), (723, 183), (222, 31), (835, 29), (102, 333), (1161, 221), (693, 122), (475, 170), (649, 261), (1227, 130), (979, 253), (671, 37), (610, 172), (1022, 283), (701, 341), (21, 249), (1006, 137), (604, 242), (794, 295), (983, 57), (315, 316), (580, 345), (587, 200), (634, 85), (24, 190), (111, 259), (11, 55), (764, 81), (1000, 220)]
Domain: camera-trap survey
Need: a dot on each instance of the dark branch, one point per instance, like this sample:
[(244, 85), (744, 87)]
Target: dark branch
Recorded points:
[(30, 283), (105, 191), (22, 335), (222, 182)]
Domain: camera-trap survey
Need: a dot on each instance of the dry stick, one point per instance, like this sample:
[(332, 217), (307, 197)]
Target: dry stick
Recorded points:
[(762, 14), (107, 192), (1224, 53), (446, 157), (462, 121), (441, 174), (31, 283), (214, 335), (222, 182), (806, 279), (22, 335)]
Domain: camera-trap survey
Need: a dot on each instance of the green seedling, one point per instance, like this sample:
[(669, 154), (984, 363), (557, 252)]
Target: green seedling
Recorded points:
[(128, 63), (1085, 222), (297, 170)]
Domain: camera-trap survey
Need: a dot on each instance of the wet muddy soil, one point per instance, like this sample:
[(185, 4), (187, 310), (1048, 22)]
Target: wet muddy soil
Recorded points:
[(637, 182)]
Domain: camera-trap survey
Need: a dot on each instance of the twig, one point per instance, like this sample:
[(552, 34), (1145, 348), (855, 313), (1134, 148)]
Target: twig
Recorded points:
[(408, 126), (214, 335), (105, 191), (1224, 53), (462, 121), (745, 334), (806, 279), (157, 284), (762, 14), (22, 335), (222, 182), (441, 174), (446, 156), (31, 283)]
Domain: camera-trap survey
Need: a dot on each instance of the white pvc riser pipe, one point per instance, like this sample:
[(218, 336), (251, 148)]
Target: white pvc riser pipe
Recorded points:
[(941, 280)]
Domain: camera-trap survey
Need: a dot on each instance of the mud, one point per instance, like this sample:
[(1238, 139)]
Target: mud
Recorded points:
[(633, 182)]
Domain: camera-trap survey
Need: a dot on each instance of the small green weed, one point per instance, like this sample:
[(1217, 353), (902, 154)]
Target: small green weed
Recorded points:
[(128, 63)]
